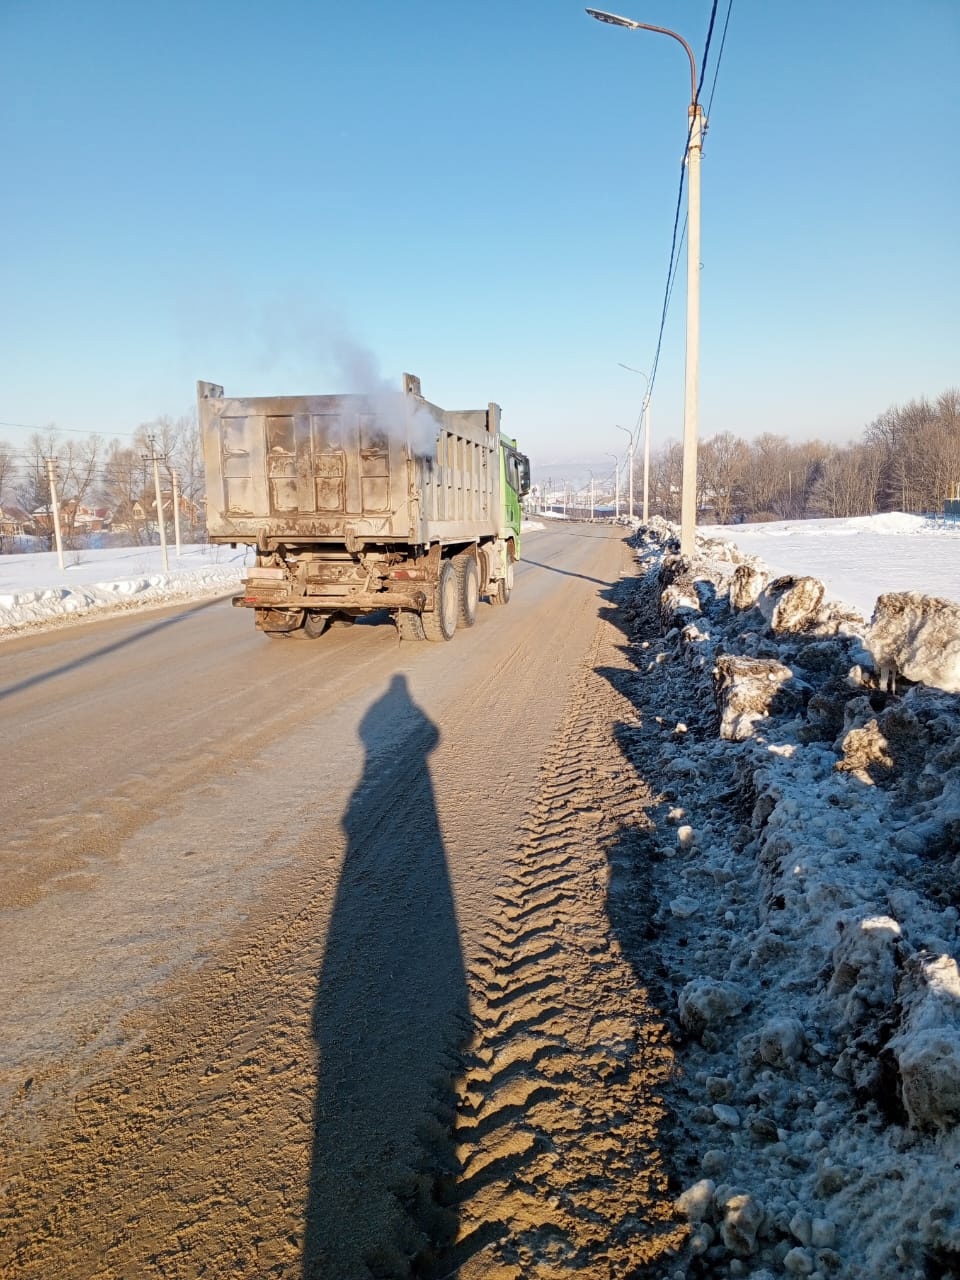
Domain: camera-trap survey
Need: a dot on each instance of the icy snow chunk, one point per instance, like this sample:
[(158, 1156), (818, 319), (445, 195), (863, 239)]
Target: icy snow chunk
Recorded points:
[(781, 1041), (706, 1002), (684, 907), (940, 1227), (686, 837), (727, 1116), (918, 637), (927, 1048), (751, 689), (798, 1262), (801, 1226), (713, 1161), (792, 604), (865, 965), (742, 1218), (745, 586), (697, 1201), (823, 1233)]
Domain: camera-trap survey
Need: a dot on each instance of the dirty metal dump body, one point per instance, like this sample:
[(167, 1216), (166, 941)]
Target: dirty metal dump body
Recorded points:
[(352, 470)]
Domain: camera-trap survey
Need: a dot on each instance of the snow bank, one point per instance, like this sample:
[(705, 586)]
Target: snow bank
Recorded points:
[(35, 592), (809, 833)]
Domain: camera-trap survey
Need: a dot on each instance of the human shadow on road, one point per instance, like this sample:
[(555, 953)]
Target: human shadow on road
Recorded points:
[(390, 1011)]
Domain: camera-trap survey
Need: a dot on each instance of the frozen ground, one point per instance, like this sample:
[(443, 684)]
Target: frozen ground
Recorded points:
[(855, 559), (35, 592), (806, 863), (858, 559), (805, 855)]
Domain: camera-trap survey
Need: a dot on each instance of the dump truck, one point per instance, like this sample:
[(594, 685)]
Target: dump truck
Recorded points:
[(361, 503)]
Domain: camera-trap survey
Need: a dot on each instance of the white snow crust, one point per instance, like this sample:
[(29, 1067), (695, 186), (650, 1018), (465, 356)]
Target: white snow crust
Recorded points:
[(808, 824), (36, 593)]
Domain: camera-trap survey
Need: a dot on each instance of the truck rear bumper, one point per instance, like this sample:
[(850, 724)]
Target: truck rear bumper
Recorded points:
[(358, 601)]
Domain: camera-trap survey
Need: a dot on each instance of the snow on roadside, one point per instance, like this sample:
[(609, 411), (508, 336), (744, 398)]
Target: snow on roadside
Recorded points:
[(36, 593), (806, 856), (860, 557)]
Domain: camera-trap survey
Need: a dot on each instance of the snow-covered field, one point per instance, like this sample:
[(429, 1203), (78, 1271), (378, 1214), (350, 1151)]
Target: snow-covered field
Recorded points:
[(860, 558), (806, 865), (855, 559), (35, 592)]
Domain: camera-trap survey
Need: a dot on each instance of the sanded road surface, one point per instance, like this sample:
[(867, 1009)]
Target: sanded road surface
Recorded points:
[(308, 968)]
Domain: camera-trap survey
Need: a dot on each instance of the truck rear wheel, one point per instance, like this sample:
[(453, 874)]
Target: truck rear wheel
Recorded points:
[(468, 589), (503, 588), (314, 624), (410, 625), (441, 622)]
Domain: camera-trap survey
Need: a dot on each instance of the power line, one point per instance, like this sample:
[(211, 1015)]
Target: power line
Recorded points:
[(53, 429), (716, 70)]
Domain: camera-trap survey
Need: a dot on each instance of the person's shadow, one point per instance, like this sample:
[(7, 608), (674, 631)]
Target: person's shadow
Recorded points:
[(391, 1009)]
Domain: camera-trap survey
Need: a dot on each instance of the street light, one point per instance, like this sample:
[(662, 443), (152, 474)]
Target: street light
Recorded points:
[(688, 496), (646, 441), (629, 435), (616, 483)]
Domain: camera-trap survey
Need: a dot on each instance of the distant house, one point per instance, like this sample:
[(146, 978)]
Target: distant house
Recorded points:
[(73, 515), (145, 508), (15, 522), (89, 519)]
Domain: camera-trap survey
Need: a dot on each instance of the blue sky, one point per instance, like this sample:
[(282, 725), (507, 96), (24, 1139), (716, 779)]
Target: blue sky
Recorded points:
[(481, 194)]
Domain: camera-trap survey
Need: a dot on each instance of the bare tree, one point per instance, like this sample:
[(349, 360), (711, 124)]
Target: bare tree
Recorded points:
[(722, 466), (7, 463), (919, 448), (666, 470), (33, 490), (122, 488), (78, 464), (848, 482)]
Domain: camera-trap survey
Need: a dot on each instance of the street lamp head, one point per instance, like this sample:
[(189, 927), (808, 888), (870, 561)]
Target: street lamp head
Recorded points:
[(614, 19)]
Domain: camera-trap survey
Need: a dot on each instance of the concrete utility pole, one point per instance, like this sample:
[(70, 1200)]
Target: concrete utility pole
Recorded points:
[(616, 484), (156, 487), (629, 469), (688, 494), (591, 497), (175, 481), (55, 507), (645, 410)]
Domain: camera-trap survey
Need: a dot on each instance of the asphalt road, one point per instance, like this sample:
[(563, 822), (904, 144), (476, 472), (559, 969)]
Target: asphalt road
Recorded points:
[(245, 886)]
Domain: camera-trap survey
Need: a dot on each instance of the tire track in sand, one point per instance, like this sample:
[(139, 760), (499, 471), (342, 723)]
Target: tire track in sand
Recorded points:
[(556, 1167)]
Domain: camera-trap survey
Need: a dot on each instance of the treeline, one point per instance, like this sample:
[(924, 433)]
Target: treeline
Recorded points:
[(908, 459), (104, 487)]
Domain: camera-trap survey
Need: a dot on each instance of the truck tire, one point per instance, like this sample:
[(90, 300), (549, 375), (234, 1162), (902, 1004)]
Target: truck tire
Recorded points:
[(410, 625), (503, 587), (468, 589), (441, 622), (314, 624)]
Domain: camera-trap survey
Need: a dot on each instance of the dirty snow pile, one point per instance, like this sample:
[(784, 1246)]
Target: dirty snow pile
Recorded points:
[(35, 592), (908, 552), (806, 862)]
